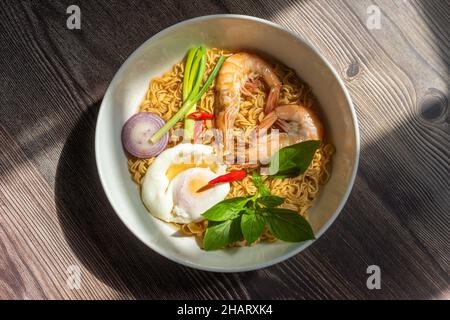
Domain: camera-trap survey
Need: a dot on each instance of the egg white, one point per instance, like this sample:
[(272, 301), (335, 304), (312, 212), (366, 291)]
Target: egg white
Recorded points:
[(173, 200)]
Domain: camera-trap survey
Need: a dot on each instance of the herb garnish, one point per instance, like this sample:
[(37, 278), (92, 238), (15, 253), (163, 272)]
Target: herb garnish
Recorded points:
[(293, 160), (241, 218), (246, 218)]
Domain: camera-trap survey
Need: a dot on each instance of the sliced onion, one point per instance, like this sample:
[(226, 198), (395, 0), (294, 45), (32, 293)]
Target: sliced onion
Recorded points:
[(137, 132)]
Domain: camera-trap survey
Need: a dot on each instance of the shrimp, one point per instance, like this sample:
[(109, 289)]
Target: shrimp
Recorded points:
[(233, 75), (301, 124)]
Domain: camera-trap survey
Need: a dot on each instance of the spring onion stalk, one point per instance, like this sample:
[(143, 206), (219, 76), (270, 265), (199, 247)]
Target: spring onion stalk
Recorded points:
[(200, 71), (200, 67), (191, 101), (210, 79), (195, 69), (187, 72)]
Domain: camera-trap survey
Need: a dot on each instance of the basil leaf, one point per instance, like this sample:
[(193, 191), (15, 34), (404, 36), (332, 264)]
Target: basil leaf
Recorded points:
[(293, 160), (219, 234), (262, 188), (288, 225), (271, 201), (252, 226), (226, 209)]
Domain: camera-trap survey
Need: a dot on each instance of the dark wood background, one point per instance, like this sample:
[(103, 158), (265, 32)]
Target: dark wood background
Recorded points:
[(54, 212)]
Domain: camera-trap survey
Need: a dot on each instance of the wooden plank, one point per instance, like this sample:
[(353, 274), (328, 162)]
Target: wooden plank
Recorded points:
[(36, 252), (55, 214)]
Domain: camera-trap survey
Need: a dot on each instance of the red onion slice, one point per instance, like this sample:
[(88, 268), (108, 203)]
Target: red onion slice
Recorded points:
[(137, 132)]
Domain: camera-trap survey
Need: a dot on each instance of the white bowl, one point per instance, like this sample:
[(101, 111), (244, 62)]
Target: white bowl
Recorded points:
[(156, 56)]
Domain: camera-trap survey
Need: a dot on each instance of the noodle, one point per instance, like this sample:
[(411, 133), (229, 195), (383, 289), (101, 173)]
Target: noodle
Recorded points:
[(164, 97)]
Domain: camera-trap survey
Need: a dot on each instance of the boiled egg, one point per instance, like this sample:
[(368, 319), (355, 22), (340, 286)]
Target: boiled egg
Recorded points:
[(169, 188)]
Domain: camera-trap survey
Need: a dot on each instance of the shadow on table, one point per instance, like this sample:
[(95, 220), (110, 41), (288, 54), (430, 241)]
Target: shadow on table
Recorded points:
[(113, 255), (101, 241)]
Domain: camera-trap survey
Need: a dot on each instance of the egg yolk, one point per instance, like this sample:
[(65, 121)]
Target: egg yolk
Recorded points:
[(175, 169), (195, 184)]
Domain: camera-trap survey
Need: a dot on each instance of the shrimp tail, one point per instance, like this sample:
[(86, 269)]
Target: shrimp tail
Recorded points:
[(283, 125), (267, 122), (272, 99)]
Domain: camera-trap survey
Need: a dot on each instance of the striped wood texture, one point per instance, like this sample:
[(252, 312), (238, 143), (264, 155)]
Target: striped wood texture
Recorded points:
[(53, 211)]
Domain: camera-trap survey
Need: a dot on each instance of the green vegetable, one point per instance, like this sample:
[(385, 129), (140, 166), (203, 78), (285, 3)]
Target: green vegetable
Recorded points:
[(246, 218), (262, 188), (195, 78), (187, 72), (191, 101), (288, 225), (197, 71), (226, 209), (210, 79), (271, 201), (219, 234), (252, 226), (293, 160)]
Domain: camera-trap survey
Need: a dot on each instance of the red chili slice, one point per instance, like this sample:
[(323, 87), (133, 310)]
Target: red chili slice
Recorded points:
[(229, 177), (198, 115)]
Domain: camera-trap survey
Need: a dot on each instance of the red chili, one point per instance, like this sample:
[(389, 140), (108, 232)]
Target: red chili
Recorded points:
[(231, 176), (198, 115)]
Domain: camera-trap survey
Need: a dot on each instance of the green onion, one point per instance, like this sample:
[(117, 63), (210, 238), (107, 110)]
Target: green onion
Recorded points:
[(200, 72), (197, 72), (187, 72), (210, 79), (188, 103), (199, 59)]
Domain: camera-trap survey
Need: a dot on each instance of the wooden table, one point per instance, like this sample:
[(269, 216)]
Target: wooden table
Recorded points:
[(55, 217)]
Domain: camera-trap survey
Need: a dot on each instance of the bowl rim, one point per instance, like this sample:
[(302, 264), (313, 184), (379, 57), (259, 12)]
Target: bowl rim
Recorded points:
[(303, 245)]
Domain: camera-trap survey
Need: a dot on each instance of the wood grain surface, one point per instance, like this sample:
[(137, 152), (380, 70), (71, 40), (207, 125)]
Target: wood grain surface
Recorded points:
[(54, 213)]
